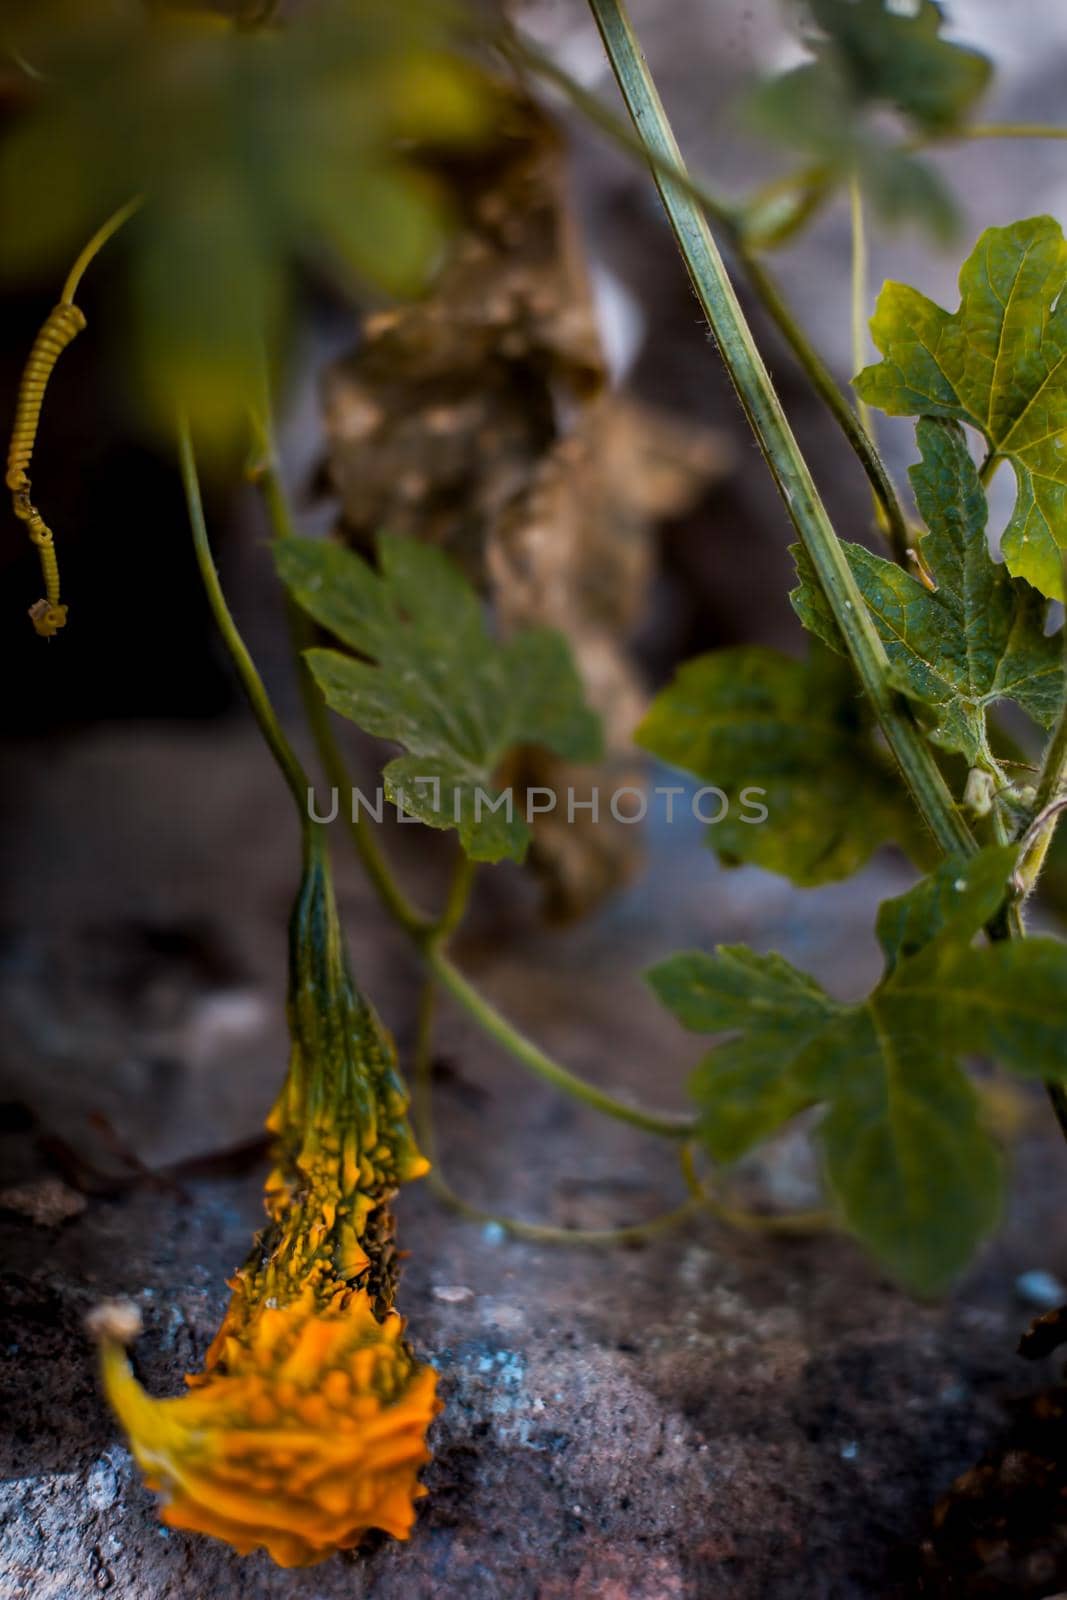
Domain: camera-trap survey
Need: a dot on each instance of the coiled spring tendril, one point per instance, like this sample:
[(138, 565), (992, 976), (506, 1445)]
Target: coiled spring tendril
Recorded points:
[(63, 323)]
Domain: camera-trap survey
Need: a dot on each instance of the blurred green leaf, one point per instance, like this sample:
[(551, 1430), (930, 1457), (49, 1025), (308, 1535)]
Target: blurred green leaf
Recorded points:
[(434, 681), (797, 732), (742, 1088), (947, 905), (897, 57), (255, 149), (915, 1174), (869, 55), (997, 364), (979, 638)]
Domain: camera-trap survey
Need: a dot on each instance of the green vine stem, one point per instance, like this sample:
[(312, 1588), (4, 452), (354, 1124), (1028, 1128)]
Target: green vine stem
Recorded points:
[(763, 408), (730, 219), (532, 1056), (860, 276), (1048, 804), (830, 393), (889, 513), (253, 685), (790, 471), (99, 239), (990, 463), (535, 1232), (458, 899), (523, 54), (1001, 130), (427, 934), (1052, 784), (415, 923), (266, 474), (700, 1201), (812, 180)]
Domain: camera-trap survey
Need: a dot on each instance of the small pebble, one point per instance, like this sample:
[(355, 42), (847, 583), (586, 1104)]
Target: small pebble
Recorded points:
[(1041, 1289), (47, 1202), (453, 1294), (102, 1484)]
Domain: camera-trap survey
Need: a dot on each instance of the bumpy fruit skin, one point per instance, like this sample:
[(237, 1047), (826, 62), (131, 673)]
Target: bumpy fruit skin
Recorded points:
[(308, 1423), (298, 1441)]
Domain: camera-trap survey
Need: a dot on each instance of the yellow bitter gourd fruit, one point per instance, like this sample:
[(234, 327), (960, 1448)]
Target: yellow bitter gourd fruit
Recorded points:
[(308, 1423)]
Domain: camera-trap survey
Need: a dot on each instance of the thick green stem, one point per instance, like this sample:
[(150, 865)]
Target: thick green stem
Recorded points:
[(731, 219), (523, 54), (830, 392), (788, 467), (764, 410)]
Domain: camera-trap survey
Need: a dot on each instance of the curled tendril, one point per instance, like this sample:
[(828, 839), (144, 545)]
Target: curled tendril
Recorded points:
[(62, 325)]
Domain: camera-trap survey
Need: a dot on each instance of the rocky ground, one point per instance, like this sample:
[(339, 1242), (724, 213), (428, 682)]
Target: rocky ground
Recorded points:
[(714, 1414)]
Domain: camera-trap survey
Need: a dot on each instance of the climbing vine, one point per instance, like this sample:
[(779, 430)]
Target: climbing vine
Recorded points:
[(322, 144)]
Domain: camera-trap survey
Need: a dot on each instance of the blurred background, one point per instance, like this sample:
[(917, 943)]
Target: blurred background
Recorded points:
[(721, 572), (148, 857)]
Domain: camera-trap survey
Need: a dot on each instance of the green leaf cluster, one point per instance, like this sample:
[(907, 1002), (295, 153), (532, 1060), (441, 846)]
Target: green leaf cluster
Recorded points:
[(978, 637), (907, 1160), (869, 55), (798, 731), (435, 681), (998, 364), (255, 149)]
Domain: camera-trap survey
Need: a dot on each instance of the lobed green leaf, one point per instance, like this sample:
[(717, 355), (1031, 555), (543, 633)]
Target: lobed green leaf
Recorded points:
[(431, 678), (913, 1171), (999, 364), (979, 637), (744, 1088), (948, 906), (752, 718)]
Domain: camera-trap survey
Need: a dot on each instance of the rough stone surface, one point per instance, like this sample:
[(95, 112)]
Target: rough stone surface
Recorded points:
[(717, 1413)]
